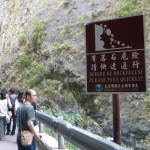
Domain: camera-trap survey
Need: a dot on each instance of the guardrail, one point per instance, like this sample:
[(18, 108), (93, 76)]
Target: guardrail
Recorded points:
[(78, 137)]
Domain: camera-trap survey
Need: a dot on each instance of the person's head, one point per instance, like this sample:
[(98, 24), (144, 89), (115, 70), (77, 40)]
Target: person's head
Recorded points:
[(12, 91), (20, 96), (3, 89), (30, 96), (3, 94)]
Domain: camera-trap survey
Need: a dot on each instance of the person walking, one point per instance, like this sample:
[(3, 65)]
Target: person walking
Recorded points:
[(27, 117), (4, 105), (20, 100), (7, 95), (13, 98)]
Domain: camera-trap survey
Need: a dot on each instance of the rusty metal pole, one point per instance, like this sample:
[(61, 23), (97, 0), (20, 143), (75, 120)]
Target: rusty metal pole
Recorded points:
[(116, 118)]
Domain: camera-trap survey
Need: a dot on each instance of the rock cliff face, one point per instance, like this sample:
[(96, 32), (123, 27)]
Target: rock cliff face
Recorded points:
[(42, 46), (2, 18)]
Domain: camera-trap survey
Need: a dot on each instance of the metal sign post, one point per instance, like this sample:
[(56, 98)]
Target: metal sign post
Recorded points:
[(116, 118)]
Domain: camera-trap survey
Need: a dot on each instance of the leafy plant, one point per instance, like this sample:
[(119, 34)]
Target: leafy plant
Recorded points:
[(129, 8), (37, 34), (75, 118), (67, 29), (23, 61), (64, 46), (36, 75), (56, 46), (94, 15), (81, 20), (127, 5), (41, 2), (71, 146), (137, 10), (21, 39), (145, 142), (66, 3), (48, 89), (71, 98)]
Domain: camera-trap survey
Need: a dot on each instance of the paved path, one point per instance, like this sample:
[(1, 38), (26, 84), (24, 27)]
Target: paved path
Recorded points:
[(9, 143)]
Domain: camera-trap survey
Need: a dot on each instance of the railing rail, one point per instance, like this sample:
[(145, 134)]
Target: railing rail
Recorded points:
[(78, 137)]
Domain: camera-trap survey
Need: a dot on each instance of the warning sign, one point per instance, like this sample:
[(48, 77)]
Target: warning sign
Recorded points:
[(115, 55)]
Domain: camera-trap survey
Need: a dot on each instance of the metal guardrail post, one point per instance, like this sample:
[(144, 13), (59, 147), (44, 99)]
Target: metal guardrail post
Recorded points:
[(40, 125), (60, 138)]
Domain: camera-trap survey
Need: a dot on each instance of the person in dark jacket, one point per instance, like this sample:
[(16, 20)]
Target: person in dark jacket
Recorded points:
[(13, 98)]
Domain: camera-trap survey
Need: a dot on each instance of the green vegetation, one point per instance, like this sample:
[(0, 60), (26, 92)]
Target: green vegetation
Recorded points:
[(49, 87), (70, 146), (36, 35), (75, 119), (94, 15), (66, 3), (81, 20), (145, 142), (36, 74), (41, 2), (67, 29), (21, 39), (129, 7), (60, 47), (23, 61), (66, 45), (70, 97), (30, 69)]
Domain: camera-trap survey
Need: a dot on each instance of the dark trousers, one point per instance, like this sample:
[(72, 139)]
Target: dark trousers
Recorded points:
[(31, 147), (13, 126), (2, 127)]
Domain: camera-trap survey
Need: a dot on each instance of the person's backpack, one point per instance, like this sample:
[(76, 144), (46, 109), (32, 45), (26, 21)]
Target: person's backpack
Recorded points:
[(13, 99)]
